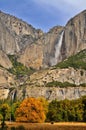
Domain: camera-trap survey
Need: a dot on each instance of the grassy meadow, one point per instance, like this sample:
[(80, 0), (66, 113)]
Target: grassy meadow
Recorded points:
[(46, 126)]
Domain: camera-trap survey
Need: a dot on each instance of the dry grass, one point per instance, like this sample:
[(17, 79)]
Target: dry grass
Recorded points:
[(49, 126)]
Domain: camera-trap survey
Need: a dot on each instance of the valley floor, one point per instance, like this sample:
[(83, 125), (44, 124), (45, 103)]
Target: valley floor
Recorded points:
[(49, 126)]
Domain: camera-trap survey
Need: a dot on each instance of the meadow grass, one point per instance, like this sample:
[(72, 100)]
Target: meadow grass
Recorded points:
[(46, 126)]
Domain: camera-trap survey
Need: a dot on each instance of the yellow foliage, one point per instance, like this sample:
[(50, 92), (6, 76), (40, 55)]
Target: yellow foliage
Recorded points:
[(30, 110), (45, 103), (4, 108)]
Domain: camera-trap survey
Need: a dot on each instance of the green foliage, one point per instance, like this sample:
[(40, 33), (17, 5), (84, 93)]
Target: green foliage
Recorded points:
[(83, 85), (10, 114), (18, 68), (60, 84), (14, 106), (65, 110), (84, 103), (55, 111), (4, 109), (75, 61)]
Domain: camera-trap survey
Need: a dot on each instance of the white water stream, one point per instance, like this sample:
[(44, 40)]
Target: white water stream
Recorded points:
[(54, 59)]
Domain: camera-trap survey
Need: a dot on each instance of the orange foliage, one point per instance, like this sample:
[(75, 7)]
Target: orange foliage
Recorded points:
[(30, 110)]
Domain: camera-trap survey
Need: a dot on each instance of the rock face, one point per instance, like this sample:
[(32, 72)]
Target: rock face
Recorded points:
[(6, 78), (36, 49), (15, 35), (7, 41), (52, 93), (51, 51), (40, 53), (32, 56), (7, 82), (36, 85), (4, 60), (70, 75), (74, 39)]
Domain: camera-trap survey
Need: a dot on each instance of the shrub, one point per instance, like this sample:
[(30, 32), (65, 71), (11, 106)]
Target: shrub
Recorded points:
[(60, 84), (75, 61)]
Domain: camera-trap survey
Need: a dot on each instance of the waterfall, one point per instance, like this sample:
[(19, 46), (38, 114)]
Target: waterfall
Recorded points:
[(54, 60), (13, 94)]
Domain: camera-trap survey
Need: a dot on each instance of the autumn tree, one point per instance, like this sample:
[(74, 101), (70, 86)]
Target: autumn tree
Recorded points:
[(30, 110)]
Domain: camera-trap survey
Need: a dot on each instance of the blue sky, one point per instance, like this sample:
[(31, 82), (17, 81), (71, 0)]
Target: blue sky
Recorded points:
[(43, 14)]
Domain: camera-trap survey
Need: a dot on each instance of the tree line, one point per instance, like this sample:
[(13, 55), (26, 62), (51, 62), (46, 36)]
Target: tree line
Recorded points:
[(40, 110)]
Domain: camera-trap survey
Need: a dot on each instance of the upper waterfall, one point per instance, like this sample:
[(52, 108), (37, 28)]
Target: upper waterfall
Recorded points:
[(54, 60)]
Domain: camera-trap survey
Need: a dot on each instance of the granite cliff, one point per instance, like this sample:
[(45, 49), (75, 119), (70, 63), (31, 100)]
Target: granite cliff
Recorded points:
[(74, 39), (27, 57)]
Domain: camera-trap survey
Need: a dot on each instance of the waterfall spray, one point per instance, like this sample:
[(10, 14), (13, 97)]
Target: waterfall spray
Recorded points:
[(54, 60)]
